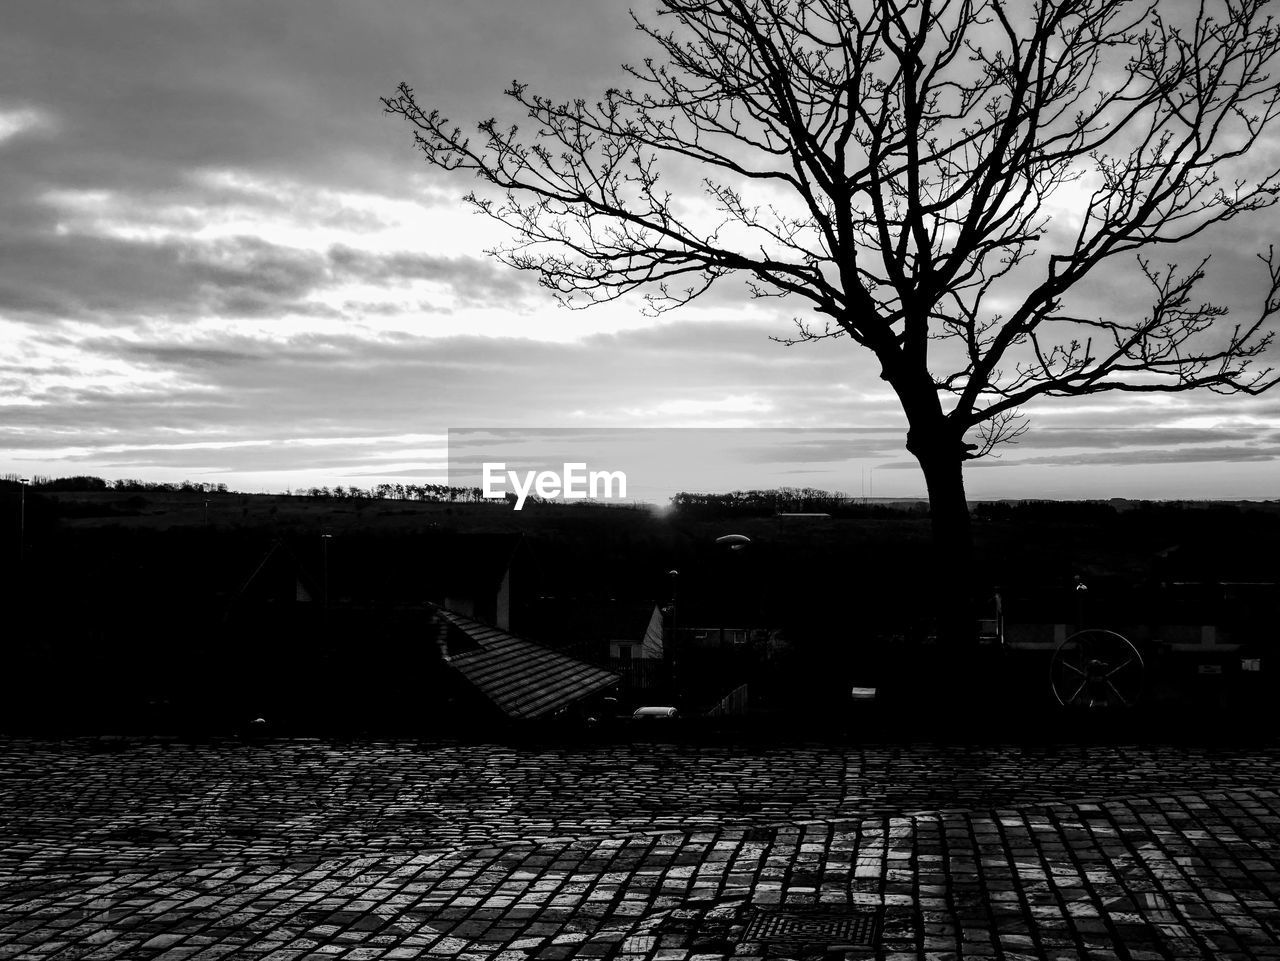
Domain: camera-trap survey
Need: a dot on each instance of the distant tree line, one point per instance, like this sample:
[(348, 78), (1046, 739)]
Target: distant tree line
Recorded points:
[(429, 493), (781, 500), (425, 493), (83, 483), (435, 493)]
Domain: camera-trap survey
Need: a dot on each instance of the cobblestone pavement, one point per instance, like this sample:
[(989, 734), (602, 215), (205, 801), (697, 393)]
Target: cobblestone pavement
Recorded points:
[(313, 850)]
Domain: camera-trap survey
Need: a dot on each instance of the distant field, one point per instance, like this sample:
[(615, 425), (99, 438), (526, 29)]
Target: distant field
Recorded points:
[(1031, 540)]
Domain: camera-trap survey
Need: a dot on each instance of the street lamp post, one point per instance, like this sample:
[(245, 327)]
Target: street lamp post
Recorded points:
[(669, 640), (22, 518), (730, 600)]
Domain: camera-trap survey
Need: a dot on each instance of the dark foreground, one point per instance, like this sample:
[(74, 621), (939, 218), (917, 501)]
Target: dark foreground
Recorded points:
[(288, 850)]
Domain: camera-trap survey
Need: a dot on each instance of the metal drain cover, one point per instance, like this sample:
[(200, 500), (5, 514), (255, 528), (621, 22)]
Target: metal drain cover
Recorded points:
[(815, 926)]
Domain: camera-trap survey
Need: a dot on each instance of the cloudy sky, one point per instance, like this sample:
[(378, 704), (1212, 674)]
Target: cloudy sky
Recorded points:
[(220, 261)]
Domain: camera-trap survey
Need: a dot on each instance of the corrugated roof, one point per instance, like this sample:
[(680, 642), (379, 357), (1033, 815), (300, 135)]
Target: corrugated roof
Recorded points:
[(524, 679)]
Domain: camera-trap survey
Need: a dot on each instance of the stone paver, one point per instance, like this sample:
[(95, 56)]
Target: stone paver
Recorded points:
[(315, 850), (67, 806)]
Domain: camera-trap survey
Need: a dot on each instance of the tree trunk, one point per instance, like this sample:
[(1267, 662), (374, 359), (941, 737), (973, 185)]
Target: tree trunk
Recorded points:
[(950, 585)]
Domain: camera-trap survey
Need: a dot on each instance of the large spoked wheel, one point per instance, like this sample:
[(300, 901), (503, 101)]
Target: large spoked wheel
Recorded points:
[(1096, 669)]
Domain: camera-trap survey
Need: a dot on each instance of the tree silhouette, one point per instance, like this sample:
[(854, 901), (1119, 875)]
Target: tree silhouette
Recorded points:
[(890, 163)]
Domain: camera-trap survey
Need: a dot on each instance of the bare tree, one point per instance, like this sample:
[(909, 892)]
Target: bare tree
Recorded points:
[(891, 163)]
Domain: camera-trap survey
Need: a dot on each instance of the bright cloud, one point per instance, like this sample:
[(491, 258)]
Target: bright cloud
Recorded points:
[(17, 121)]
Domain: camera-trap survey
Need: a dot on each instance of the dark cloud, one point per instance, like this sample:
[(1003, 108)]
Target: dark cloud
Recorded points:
[(473, 280), (180, 356), (143, 92), (1117, 410), (38, 369), (1119, 447), (1171, 454), (436, 473), (116, 280), (815, 445), (1124, 438)]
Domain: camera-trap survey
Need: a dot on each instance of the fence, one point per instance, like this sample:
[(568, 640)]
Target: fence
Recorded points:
[(732, 704)]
